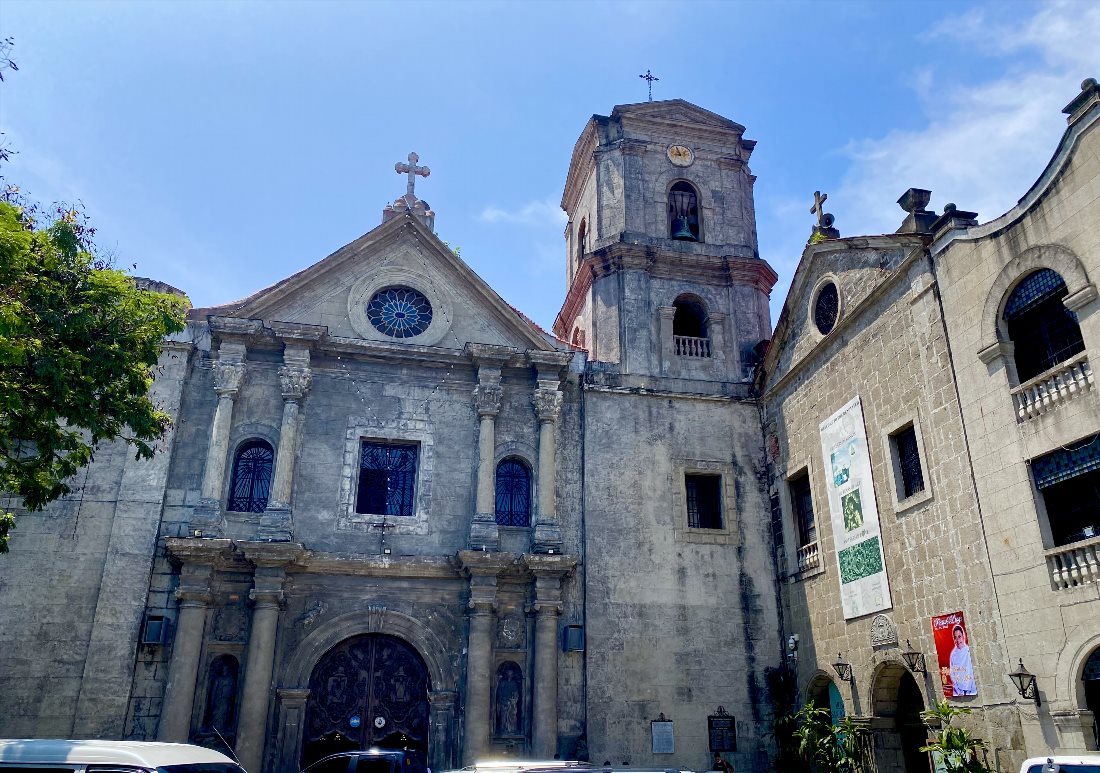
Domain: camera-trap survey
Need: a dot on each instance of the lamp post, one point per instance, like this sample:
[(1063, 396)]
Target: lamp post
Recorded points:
[(843, 668), (914, 659), (1025, 683)]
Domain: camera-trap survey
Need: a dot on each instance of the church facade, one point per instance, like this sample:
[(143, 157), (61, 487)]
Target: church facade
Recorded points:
[(392, 510)]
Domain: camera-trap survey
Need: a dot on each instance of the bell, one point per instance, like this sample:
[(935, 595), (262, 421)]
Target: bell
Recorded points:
[(681, 230)]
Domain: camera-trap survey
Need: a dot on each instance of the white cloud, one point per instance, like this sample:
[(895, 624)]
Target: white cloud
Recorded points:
[(985, 143), (540, 212)]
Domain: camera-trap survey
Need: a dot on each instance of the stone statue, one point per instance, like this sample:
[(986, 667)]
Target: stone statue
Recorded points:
[(222, 701), (508, 695)]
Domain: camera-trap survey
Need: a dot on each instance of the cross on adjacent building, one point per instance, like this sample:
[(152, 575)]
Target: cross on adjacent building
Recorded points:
[(413, 170), (650, 77), (819, 207)]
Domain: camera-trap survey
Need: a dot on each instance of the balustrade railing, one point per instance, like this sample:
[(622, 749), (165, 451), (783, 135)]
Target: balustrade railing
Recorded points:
[(688, 346), (808, 557), (1075, 564), (1047, 390)]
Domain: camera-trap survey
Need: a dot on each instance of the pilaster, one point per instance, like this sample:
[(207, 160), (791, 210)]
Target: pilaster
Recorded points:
[(295, 378), (548, 572), (487, 395), (229, 374), (547, 401)]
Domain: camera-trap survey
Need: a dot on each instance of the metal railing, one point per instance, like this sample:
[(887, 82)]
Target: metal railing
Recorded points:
[(688, 346), (1047, 390), (1075, 564)]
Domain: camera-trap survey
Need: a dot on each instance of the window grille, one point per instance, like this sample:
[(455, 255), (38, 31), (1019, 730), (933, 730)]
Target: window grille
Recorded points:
[(826, 308), (387, 476), (251, 482), (1043, 330), (803, 504), (704, 501), (912, 477), (513, 494)]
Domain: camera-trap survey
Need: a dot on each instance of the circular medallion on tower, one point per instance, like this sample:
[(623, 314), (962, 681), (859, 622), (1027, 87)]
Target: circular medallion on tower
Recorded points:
[(826, 308), (399, 312), (680, 155)]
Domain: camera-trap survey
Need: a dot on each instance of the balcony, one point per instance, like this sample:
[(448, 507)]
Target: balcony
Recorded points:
[(1072, 565), (808, 557), (1046, 391), (687, 346)]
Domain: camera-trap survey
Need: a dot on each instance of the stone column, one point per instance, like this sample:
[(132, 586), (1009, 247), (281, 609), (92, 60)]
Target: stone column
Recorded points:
[(295, 379), (548, 572), (484, 533), (194, 598), (726, 364), (482, 569), (670, 363), (271, 560), (547, 400), (228, 376), (440, 722), (292, 714)]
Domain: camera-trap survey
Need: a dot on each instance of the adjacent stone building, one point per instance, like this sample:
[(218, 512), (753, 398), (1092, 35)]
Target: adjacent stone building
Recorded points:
[(392, 510)]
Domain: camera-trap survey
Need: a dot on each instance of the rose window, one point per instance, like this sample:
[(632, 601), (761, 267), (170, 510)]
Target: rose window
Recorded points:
[(399, 312)]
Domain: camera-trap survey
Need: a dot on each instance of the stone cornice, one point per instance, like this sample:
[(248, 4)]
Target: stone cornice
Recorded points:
[(489, 354), (481, 563), (420, 567), (580, 166), (198, 550), (293, 332), (272, 554), (542, 565), (235, 328)]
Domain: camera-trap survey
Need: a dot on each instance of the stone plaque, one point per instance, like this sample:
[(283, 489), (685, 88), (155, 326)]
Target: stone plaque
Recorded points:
[(883, 632), (722, 731), (663, 739)]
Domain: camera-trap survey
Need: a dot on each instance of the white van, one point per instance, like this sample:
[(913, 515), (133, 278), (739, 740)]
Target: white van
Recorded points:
[(53, 756), (1066, 763)]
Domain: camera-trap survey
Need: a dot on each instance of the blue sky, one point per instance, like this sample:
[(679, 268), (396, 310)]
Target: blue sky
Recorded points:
[(222, 146)]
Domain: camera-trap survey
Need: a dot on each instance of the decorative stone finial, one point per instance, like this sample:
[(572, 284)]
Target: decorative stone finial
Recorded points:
[(918, 219), (1083, 102)]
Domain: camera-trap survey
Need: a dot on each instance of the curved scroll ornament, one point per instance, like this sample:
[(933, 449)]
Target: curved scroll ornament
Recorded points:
[(547, 404), (228, 377), (487, 397), (294, 381)]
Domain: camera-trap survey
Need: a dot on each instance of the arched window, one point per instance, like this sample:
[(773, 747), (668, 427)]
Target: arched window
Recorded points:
[(513, 493), (251, 477), (582, 237), (683, 213), (1043, 330), (689, 328)]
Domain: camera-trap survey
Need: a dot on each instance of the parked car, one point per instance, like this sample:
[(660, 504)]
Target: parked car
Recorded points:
[(519, 766), (1065, 763), (90, 756), (368, 761)]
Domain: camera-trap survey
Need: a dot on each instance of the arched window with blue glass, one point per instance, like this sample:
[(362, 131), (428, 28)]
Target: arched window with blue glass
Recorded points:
[(513, 493), (251, 481), (1044, 332)]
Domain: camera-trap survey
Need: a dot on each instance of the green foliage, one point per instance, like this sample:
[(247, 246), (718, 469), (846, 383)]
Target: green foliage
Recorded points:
[(955, 748), (817, 237), (78, 344), (829, 748)]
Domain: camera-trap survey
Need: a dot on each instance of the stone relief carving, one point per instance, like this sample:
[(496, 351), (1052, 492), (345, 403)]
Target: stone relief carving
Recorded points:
[(295, 381), (883, 631), (228, 377), (376, 614), (547, 404), (231, 622), (312, 613), (511, 632)]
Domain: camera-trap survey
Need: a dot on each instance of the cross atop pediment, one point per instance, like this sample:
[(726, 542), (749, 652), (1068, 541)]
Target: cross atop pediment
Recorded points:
[(412, 170)]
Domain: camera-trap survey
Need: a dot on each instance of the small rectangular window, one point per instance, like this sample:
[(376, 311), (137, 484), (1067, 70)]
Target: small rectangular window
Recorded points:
[(803, 505), (704, 501), (907, 454), (387, 479)]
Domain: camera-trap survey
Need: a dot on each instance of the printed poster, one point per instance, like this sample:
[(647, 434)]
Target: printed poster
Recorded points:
[(953, 653), (864, 587)]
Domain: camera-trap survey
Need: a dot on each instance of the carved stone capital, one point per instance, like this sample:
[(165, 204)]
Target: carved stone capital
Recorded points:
[(293, 696), (488, 397), (193, 596), (295, 381), (547, 404), (542, 608), (267, 597), (476, 607), (228, 377)]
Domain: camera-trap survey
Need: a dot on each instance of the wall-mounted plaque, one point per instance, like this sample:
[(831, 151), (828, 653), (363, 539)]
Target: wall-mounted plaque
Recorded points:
[(664, 741), (722, 730)]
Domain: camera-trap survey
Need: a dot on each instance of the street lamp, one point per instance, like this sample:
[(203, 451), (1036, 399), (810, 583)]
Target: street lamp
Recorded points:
[(843, 668), (914, 659), (1025, 683)]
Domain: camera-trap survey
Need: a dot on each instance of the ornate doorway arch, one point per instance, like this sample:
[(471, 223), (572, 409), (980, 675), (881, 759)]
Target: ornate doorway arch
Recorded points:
[(369, 690)]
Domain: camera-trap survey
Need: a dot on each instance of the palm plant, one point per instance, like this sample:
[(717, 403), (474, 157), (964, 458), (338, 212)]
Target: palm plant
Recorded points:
[(955, 749)]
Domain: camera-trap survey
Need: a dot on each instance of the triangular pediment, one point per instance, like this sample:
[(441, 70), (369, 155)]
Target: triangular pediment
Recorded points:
[(675, 110), (334, 293)]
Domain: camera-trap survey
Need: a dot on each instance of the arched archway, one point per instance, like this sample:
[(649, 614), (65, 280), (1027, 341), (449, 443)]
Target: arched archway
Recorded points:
[(899, 732), (369, 690), (1090, 675)]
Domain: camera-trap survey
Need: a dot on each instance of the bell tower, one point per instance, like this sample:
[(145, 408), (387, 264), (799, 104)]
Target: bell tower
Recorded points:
[(663, 269)]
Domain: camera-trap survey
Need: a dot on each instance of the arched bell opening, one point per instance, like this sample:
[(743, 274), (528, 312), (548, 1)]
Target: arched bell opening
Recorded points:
[(368, 691), (683, 213), (690, 327)]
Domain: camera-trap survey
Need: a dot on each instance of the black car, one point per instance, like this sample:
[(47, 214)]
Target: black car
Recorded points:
[(369, 761)]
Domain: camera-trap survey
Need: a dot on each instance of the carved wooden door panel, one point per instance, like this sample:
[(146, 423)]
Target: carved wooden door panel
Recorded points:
[(368, 691)]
